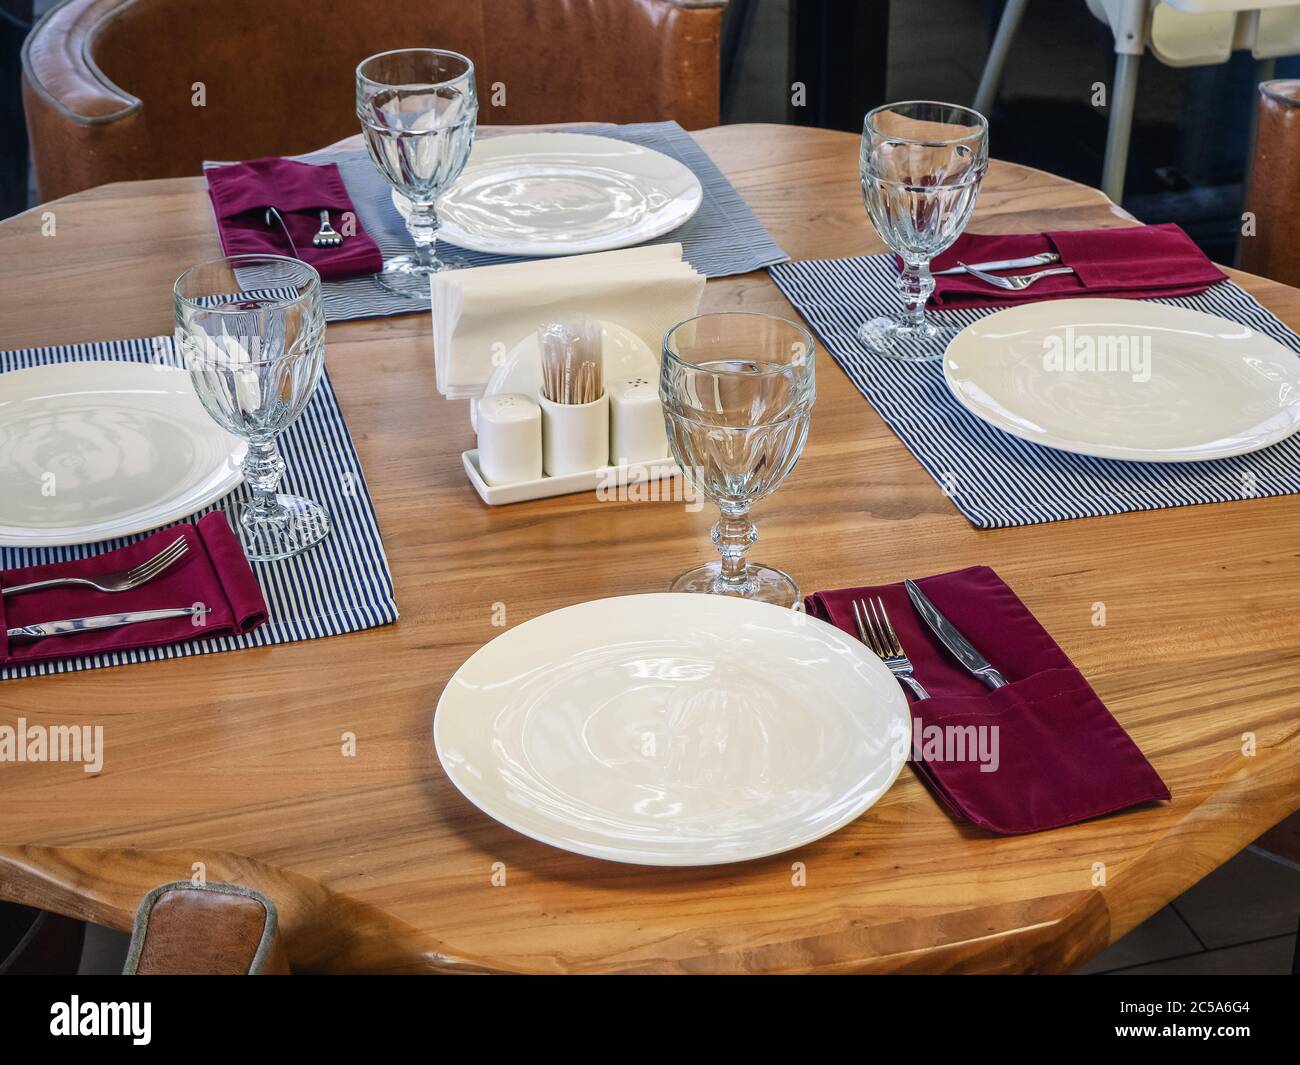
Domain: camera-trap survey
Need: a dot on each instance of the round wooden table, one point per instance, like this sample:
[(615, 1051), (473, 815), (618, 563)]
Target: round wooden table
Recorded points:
[(233, 764)]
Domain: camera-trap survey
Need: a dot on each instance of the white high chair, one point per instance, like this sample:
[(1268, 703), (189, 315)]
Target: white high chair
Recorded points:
[(1180, 33)]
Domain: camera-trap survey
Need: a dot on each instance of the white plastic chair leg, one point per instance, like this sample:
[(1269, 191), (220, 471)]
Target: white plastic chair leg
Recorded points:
[(997, 60), (1123, 97)]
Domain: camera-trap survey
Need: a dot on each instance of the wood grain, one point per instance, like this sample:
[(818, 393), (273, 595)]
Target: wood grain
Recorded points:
[(377, 863)]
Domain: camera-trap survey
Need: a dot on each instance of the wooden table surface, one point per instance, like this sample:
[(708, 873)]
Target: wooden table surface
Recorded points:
[(377, 863)]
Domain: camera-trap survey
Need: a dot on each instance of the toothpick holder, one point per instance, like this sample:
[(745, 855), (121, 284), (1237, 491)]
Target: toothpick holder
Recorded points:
[(575, 436)]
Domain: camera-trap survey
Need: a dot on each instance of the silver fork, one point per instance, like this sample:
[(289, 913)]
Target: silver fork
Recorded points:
[(877, 633), (327, 236), (1016, 282), (118, 581)]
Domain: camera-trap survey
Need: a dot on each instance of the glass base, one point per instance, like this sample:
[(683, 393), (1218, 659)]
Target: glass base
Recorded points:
[(301, 524), (892, 338), (407, 276), (762, 584)]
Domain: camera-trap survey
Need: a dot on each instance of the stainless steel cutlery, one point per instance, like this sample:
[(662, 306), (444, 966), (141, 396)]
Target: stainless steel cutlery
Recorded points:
[(272, 213), (877, 633), (1016, 282), (952, 639), (119, 580), (101, 621), (1041, 259), (327, 236)]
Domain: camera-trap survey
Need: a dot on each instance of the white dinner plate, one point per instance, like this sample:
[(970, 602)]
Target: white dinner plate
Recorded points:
[(563, 194), (627, 358), (673, 729), (1162, 384), (90, 451)]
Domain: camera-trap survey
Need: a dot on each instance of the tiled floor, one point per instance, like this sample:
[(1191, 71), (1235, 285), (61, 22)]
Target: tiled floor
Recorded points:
[(1241, 919)]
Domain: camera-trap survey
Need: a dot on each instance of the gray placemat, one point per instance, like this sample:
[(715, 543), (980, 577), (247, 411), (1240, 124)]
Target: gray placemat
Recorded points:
[(723, 238)]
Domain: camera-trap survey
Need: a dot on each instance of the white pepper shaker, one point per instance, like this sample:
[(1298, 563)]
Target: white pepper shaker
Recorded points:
[(509, 438), (636, 421)]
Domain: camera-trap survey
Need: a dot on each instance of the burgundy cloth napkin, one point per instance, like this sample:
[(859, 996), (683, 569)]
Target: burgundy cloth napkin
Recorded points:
[(1061, 756), (242, 192), (1139, 262), (214, 573)]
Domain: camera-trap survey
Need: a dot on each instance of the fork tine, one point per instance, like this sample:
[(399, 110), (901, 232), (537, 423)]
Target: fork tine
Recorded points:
[(167, 557), (164, 558), (857, 620), (864, 634), (152, 559), (895, 646), (145, 576), (873, 637), (880, 628)]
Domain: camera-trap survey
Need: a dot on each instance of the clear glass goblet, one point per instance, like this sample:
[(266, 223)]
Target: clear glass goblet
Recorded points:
[(737, 391), (920, 166), (418, 109), (254, 344)]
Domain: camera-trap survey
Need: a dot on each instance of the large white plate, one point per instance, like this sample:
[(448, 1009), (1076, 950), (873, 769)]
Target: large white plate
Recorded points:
[(673, 729), (1191, 387), (563, 194), (90, 451)]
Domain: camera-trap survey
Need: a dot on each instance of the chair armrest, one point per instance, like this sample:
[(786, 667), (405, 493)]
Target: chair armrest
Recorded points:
[(58, 68), (210, 929)]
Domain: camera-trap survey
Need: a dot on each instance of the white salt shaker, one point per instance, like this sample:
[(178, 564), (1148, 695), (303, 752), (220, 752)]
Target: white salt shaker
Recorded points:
[(636, 421), (575, 436), (509, 438)]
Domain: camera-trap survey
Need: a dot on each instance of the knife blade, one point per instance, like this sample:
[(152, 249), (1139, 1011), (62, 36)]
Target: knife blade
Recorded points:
[(951, 638), (1041, 259), (41, 629)]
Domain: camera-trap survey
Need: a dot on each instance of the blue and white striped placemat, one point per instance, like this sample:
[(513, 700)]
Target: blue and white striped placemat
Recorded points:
[(723, 238), (997, 480), (341, 585)]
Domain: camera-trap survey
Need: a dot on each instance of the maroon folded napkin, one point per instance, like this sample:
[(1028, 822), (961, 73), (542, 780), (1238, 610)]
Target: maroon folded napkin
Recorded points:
[(1059, 755), (214, 573), (1138, 262), (241, 193)]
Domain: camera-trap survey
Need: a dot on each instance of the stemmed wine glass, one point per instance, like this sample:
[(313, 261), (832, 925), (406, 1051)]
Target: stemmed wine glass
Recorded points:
[(921, 166), (418, 109), (255, 347), (737, 391)]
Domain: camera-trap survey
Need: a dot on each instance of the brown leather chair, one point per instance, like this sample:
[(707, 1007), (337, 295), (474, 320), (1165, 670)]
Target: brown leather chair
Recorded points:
[(208, 929), (110, 86), (1273, 249)]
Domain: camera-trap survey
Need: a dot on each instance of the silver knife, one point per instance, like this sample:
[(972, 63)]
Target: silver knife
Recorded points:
[(948, 635), (100, 621), (1041, 259)]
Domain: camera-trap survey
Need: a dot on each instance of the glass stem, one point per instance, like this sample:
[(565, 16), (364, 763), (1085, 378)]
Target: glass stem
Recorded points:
[(915, 285), (422, 224), (733, 535), (262, 470)]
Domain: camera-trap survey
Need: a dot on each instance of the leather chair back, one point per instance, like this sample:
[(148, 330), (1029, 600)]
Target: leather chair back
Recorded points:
[(127, 89)]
